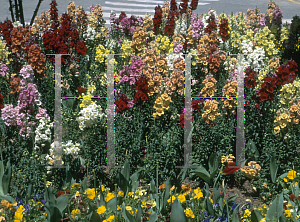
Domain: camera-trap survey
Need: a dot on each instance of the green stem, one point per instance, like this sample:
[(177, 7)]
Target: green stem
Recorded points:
[(218, 176)]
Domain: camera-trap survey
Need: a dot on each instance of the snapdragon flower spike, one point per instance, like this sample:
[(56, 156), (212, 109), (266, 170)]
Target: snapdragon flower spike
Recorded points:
[(229, 170)]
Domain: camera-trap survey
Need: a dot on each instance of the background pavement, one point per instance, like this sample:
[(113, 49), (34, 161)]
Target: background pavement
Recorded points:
[(141, 7)]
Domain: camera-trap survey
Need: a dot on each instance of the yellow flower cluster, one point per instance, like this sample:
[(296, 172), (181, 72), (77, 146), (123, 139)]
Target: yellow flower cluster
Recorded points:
[(198, 193), (126, 49), (162, 103), (3, 51), (230, 91), (110, 219), (109, 196), (292, 174), (253, 18), (227, 159), (86, 101), (95, 18), (149, 58), (288, 91), (210, 111), (164, 45), (101, 52), (90, 193), (261, 75), (6, 205), (41, 23), (252, 170), (274, 64), (154, 83), (101, 210), (282, 122), (202, 49), (210, 86), (19, 214), (176, 81), (139, 40), (161, 66), (74, 213), (189, 213), (189, 36), (130, 210), (266, 40), (284, 35), (295, 111), (148, 23)]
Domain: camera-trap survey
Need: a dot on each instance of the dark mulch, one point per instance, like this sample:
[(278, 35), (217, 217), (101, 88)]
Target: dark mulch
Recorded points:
[(243, 192)]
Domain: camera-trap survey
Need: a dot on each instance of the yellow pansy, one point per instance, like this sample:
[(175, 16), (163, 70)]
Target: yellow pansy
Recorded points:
[(90, 193), (101, 209), (74, 213)]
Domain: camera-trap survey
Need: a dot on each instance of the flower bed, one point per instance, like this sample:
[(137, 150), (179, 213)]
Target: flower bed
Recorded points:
[(149, 68)]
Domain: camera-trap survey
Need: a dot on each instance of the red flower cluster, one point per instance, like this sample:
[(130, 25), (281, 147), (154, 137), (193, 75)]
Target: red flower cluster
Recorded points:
[(266, 91), (183, 6), (53, 15), (5, 29), (173, 8), (63, 39), (1, 101), (195, 104), (249, 78), (81, 90), (194, 5), (59, 193), (286, 74), (224, 30), (122, 103), (157, 18), (143, 90), (169, 27), (212, 26)]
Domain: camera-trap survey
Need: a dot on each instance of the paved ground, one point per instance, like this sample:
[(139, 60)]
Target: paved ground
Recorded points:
[(140, 7)]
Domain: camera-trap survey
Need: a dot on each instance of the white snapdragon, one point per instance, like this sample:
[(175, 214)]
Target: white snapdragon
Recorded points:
[(89, 116), (90, 33), (254, 58), (180, 27), (67, 149), (110, 43), (43, 133)]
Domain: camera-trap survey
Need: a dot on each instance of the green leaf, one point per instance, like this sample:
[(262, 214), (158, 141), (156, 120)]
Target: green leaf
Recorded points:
[(166, 193), (6, 178), (209, 206), (256, 216), (202, 173), (62, 202), (135, 177), (122, 182), (235, 217), (139, 213), (275, 210), (29, 190), (297, 190), (183, 174), (273, 168), (177, 212), (54, 212), (126, 170), (213, 163), (216, 194), (153, 217), (95, 217), (152, 185), (112, 204), (129, 216)]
